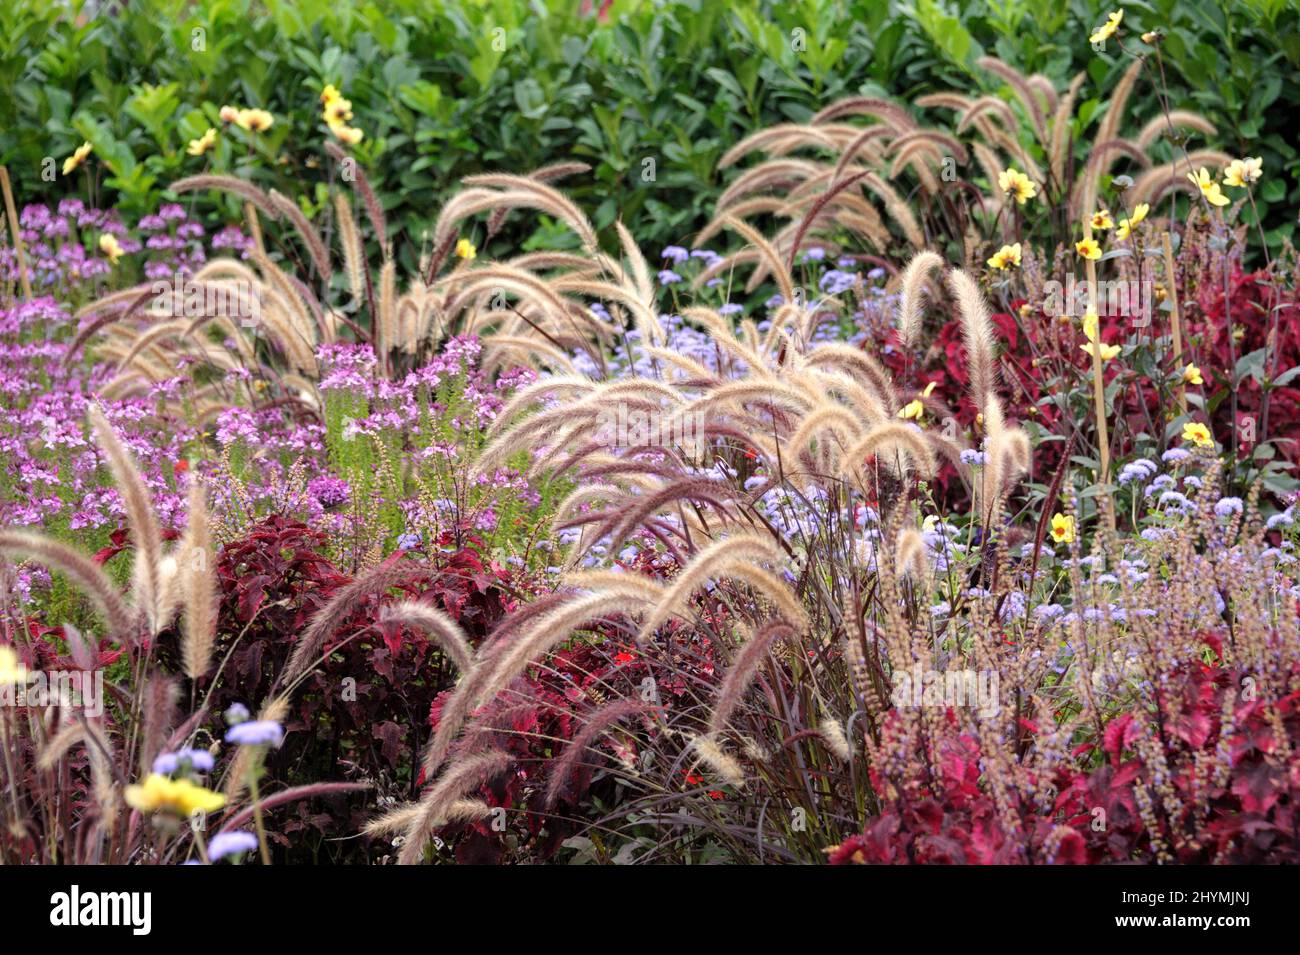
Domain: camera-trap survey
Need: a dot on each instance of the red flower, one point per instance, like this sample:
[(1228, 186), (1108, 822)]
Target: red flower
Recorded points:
[(180, 467)]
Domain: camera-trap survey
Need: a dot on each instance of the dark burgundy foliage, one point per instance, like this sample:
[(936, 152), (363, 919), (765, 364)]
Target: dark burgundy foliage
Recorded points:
[(946, 814)]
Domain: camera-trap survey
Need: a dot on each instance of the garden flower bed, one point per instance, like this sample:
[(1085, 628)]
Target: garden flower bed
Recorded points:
[(929, 497)]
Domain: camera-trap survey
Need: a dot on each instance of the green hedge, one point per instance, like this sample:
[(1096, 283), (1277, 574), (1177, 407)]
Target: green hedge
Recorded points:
[(443, 90)]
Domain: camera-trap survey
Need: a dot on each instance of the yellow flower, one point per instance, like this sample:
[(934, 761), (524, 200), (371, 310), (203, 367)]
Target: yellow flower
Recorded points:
[(1107, 29), (329, 94), (11, 668), (1017, 184), (77, 158), (1127, 225), (1090, 322), (1209, 188), (229, 114), (176, 795), (201, 145), (337, 111), (912, 410), (255, 120), (1101, 221), (1198, 434), (1006, 256), (465, 249), (1107, 351), (348, 134), (1242, 172), (109, 245), (1062, 528), (1192, 376), (1088, 248)]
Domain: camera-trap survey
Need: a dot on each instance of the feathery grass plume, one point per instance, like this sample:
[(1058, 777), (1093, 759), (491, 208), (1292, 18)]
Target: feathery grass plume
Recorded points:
[(320, 257), (387, 336), (448, 791), (616, 584), (766, 254), (1059, 148), (83, 571), (839, 425), (860, 365), (147, 584), (741, 672), (342, 605), (401, 819), (350, 240), (101, 756), (1157, 182), (445, 631), (1163, 125), (593, 727), (239, 187), (1084, 197), (898, 438), (977, 330), (538, 195), (772, 587), (713, 756), (833, 734), (706, 562), (198, 587), (913, 294), (973, 110), (640, 273), (548, 631), (909, 556), (1027, 94), (158, 714), (696, 491), (374, 209)]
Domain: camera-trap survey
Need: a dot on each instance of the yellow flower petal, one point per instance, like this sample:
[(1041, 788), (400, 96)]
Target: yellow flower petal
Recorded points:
[(1198, 434), (1062, 528), (11, 668), (1088, 248)]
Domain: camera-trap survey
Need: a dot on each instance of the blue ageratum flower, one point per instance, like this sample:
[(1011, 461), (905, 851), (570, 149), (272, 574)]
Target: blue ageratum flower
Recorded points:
[(231, 843), (1227, 506), (1281, 520), (835, 281), (256, 733), (675, 254), (669, 277), (1175, 456), (973, 458), (199, 760)]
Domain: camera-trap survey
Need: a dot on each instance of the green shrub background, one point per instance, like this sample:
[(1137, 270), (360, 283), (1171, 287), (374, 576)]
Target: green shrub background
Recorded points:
[(443, 90)]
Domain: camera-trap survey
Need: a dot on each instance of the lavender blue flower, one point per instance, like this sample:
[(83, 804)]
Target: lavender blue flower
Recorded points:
[(1227, 506), (230, 843), (200, 760), (256, 733)]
